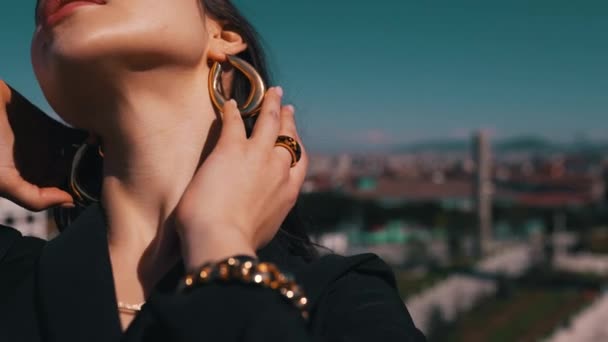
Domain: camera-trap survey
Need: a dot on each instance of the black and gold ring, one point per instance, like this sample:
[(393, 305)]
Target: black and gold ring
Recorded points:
[(292, 146)]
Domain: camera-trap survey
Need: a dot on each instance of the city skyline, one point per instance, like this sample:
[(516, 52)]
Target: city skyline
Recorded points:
[(399, 72)]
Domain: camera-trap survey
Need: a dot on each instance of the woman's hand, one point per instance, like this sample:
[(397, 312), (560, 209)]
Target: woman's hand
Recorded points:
[(32, 167), (245, 188)]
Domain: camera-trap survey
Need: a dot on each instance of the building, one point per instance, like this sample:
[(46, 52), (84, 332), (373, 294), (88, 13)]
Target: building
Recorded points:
[(483, 189)]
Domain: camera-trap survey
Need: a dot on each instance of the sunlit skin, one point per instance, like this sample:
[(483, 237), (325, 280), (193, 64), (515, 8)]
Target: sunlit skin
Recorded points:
[(179, 181)]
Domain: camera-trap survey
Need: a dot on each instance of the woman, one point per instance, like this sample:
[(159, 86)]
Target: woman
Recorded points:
[(196, 228)]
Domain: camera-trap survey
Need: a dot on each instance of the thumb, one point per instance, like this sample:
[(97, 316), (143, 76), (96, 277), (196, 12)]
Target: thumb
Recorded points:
[(52, 197), (33, 198)]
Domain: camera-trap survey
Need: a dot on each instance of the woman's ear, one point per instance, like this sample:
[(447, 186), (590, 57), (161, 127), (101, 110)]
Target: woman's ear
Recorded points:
[(223, 41)]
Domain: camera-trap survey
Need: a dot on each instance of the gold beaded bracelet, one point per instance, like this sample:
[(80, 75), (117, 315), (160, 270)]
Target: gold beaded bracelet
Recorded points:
[(249, 270)]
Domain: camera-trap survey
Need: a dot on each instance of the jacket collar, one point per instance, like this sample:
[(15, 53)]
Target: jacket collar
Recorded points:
[(77, 300), (76, 287)]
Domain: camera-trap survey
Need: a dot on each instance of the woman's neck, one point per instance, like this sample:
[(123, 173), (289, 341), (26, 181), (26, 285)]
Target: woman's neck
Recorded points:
[(159, 133)]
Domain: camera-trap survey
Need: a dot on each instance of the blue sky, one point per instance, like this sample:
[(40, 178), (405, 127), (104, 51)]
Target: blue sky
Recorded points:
[(365, 74)]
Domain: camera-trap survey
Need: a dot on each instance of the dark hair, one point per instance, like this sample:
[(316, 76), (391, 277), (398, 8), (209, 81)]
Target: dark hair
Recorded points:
[(293, 230)]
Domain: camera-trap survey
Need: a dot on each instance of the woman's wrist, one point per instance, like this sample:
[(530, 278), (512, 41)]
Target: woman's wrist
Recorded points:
[(199, 247)]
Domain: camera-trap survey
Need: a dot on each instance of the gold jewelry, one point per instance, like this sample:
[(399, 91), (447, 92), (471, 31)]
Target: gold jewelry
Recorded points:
[(84, 197), (130, 308), (249, 270), (81, 196), (258, 89), (292, 146)]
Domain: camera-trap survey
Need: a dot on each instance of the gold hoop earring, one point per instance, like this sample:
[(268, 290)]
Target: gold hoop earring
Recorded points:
[(258, 89), (82, 197)]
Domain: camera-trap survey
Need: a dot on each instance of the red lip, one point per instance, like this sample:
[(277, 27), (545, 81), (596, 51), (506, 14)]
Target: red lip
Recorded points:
[(53, 11)]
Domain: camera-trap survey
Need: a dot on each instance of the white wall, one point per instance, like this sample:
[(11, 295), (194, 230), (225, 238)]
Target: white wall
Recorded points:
[(29, 223)]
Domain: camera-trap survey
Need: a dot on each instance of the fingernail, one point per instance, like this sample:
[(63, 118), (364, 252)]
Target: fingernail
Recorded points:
[(291, 108), (279, 91), (68, 205)]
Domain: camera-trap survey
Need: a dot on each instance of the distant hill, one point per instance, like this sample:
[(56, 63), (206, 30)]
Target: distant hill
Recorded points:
[(526, 143), (447, 145), (523, 144)]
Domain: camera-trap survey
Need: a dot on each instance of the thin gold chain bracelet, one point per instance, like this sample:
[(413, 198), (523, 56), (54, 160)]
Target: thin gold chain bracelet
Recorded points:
[(249, 270)]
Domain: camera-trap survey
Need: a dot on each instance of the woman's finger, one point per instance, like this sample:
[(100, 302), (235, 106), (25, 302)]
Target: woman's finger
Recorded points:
[(267, 127), (233, 128), (288, 128), (34, 198), (298, 172)]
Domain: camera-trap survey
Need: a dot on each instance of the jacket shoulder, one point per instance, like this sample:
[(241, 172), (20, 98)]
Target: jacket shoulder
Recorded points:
[(322, 274), (13, 243), (355, 298), (18, 255), (8, 237), (18, 259)]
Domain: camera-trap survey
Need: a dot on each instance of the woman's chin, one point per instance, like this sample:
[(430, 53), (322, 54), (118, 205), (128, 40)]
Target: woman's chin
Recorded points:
[(106, 54), (104, 37)]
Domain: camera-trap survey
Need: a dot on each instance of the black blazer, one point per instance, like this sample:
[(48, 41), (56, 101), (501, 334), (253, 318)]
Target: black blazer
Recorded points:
[(63, 291)]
